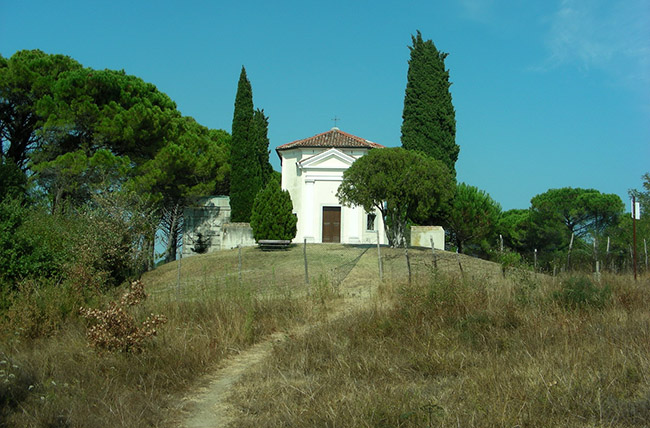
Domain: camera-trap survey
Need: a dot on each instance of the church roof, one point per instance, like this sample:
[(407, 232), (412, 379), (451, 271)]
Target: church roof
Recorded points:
[(332, 138)]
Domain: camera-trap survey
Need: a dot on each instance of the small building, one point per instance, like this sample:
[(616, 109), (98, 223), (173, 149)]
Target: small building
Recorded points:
[(312, 170)]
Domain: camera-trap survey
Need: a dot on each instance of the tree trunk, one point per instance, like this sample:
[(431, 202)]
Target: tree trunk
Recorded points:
[(172, 220)]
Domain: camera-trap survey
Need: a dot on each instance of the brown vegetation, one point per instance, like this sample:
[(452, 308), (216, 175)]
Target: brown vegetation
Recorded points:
[(528, 351), (448, 350)]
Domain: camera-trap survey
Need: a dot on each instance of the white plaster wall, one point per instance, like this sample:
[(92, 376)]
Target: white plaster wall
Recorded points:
[(315, 188)]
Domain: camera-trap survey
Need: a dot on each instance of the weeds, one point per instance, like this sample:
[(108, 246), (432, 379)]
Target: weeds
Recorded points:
[(453, 352), (580, 292)]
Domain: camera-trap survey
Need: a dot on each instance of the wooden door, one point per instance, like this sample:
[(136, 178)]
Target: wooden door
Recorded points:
[(331, 224)]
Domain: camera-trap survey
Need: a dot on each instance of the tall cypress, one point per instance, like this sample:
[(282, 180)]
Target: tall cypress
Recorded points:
[(245, 175), (259, 135), (429, 118)]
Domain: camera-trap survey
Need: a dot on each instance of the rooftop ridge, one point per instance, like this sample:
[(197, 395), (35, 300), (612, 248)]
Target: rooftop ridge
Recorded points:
[(332, 138)]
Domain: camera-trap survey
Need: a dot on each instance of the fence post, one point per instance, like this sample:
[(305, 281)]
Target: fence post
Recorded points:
[(178, 276), (381, 268), (433, 252), (239, 247), (408, 261), (304, 251)]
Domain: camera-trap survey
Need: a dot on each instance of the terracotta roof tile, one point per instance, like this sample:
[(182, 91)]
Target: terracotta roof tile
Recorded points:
[(332, 138)]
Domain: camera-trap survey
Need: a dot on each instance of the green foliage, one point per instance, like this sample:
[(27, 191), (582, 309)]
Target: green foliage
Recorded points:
[(13, 181), (429, 118), (580, 211), (195, 164), (258, 134), (91, 110), (581, 292), (30, 243), (513, 226), (272, 216), (246, 175), (473, 216), (509, 260), (98, 246), (25, 79), (404, 185), (72, 178)]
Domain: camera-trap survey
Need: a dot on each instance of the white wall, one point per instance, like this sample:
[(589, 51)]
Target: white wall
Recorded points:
[(313, 188)]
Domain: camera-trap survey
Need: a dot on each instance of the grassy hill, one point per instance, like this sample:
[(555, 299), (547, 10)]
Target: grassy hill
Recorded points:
[(470, 349)]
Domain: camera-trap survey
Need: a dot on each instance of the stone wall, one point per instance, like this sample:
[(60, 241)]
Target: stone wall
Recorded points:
[(203, 221), (207, 227), (421, 236), (234, 234)]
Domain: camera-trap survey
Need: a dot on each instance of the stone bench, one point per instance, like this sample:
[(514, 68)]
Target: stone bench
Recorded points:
[(273, 244)]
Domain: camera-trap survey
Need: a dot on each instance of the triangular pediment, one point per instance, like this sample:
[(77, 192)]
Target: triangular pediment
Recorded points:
[(329, 159)]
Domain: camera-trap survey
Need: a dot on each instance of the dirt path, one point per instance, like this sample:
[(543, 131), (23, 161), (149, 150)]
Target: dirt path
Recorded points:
[(208, 407)]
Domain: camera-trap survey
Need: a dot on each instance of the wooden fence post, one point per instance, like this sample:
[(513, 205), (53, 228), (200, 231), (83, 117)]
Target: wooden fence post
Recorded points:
[(381, 268), (433, 252), (304, 251), (239, 247), (178, 276)]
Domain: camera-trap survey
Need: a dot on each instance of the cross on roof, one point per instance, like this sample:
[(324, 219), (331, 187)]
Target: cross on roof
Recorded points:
[(335, 119)]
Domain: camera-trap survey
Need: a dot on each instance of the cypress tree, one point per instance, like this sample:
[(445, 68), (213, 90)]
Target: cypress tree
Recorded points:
[(246, 174), (272, 216), (259, 136), (429, 118)]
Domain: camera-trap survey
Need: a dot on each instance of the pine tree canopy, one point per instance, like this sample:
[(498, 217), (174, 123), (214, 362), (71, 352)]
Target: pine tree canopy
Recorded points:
[(429, 118)]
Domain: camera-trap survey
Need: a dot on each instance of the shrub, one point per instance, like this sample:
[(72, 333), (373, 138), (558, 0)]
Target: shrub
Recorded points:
[(115, 329), (272, 216), (580, 292)]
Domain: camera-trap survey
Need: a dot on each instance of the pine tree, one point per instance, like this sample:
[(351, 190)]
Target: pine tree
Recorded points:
[(272, 216), (429, 118), (246, 174)]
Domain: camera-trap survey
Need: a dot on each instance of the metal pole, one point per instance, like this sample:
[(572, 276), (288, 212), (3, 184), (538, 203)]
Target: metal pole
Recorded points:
[(634, 234)]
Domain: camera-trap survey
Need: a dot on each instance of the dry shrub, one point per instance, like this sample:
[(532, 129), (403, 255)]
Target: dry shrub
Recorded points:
[(40, 307), (116, 329)]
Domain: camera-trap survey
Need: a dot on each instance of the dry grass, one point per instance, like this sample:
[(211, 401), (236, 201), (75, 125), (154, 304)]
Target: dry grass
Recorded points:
[(467, 352), (447, 350), (59, 381)]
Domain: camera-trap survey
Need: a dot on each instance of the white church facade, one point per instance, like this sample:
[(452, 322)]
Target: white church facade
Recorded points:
[(312, 170)]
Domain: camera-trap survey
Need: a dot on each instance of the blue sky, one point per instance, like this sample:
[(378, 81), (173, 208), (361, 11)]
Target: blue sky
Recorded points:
[(547, 93)]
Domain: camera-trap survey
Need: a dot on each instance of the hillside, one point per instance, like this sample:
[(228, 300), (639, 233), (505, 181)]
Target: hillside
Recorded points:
[(451, 348)]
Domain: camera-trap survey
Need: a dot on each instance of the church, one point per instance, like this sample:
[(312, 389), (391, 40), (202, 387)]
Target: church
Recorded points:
[(312, 170)]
